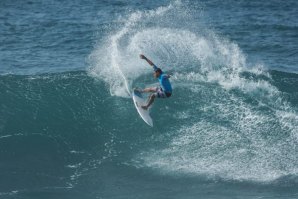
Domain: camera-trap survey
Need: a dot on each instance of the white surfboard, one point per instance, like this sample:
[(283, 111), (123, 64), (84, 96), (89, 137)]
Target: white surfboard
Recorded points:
[(139, 101)]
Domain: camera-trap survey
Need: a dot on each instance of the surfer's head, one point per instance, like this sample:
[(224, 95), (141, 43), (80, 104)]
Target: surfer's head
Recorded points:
[(157, 72)]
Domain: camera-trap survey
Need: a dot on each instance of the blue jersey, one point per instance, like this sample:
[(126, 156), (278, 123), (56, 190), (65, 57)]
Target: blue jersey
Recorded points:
[(164, 81)]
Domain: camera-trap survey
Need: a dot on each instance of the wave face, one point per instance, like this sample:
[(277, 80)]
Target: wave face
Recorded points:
[(230, 124), (227, 117)]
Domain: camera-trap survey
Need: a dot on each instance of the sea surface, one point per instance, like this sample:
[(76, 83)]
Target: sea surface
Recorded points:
[(68, 126)]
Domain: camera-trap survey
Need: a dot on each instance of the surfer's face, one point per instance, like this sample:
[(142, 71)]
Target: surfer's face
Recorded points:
[(156, 74)]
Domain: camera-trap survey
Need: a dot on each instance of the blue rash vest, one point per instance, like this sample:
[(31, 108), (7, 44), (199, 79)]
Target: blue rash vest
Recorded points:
[(164, 81)]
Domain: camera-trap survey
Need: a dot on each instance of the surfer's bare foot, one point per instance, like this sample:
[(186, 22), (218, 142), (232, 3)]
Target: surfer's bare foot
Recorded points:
[(145, 107)]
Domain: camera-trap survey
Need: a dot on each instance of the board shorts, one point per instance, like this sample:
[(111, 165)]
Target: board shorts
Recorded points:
[(159, 93)]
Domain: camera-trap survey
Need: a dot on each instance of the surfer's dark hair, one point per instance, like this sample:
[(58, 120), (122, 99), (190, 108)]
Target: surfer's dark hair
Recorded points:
[(158, 70)]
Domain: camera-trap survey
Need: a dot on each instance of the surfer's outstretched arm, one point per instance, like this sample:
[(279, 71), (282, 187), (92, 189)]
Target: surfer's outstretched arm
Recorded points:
[(148, 60)]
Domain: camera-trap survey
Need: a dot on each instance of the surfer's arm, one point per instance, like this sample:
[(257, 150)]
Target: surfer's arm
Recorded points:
[(148, 60), (168, 76)]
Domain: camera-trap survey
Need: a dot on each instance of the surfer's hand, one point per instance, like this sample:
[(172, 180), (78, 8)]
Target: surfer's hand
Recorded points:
[(142, 56)]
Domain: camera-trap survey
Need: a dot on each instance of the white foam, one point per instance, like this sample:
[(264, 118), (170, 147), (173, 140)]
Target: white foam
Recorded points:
[(216, 151), (114, 62), (242, 142)]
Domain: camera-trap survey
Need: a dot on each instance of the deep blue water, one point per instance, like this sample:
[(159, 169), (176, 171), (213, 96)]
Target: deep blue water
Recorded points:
[(69, 129)]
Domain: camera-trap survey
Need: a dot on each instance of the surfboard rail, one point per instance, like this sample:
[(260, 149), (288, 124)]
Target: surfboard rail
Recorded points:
[(139, 101)]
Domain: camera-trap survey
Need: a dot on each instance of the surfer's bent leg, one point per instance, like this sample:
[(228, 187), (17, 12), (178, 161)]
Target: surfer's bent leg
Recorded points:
[(151, 100), (149, 90)]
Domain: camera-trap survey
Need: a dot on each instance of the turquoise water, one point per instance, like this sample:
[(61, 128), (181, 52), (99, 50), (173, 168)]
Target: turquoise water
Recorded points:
[(69, 129)]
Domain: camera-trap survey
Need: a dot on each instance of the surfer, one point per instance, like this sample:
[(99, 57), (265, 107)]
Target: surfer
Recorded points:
[(165, 88)]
